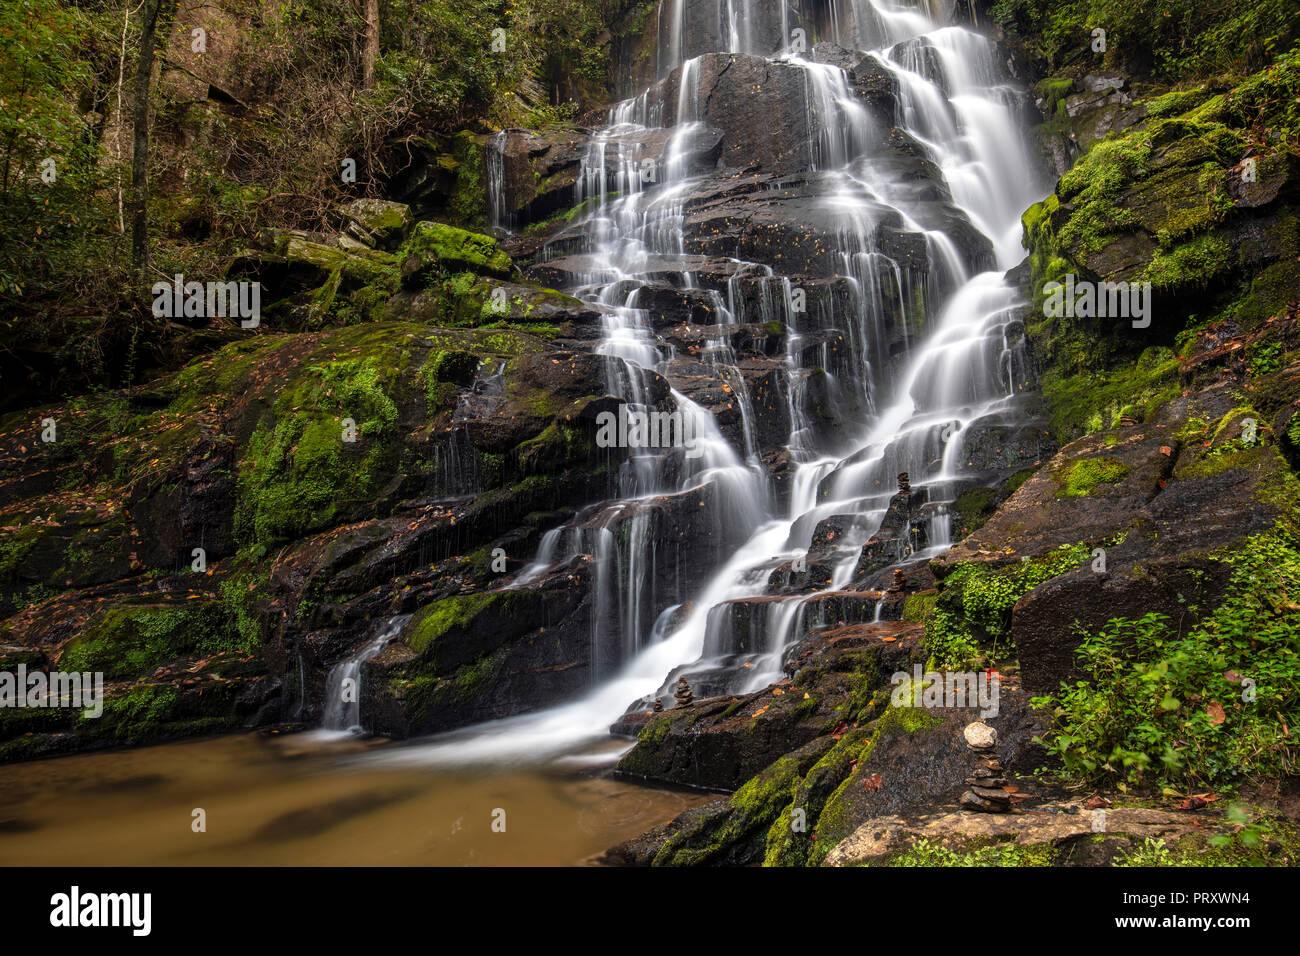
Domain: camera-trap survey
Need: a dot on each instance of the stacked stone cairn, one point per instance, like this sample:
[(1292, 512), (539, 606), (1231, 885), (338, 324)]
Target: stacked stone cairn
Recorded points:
[(986, 793), (683, 693)]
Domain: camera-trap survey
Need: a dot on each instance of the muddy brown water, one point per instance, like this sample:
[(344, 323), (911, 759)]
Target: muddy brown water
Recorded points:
[(293, 800)]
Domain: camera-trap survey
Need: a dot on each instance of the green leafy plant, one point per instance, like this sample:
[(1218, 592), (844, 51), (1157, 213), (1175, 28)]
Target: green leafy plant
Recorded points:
[(1206, 705), (974, 610)]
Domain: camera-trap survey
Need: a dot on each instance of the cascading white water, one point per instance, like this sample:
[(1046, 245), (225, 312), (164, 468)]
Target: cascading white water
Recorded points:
[(342, 701), (964, 370)]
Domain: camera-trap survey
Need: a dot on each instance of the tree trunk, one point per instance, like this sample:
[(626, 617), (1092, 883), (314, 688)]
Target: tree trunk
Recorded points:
[(157, 16), (371, 52)]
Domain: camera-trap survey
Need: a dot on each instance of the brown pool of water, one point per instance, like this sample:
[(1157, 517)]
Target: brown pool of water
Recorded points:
[(291, 801)]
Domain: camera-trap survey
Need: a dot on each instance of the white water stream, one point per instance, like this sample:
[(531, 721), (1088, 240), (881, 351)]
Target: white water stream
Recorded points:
[(912, 411)]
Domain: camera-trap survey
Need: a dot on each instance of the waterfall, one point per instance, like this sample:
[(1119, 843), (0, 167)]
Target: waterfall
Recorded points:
[(342, 701), (900, 411), (498, 218)]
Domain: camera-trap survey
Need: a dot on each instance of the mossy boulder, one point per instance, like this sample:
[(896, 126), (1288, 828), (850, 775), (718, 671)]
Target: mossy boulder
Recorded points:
[(719, 742), (475, 657), (434, 247), (377, 222), (1188, 200), (735, 833)]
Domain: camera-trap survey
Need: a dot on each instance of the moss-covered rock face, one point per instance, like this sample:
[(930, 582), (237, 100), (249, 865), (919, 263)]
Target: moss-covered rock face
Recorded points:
[(474, 657), (137, 543), (1195, 199), (377, 222), (719, 743), (381, 267), (128, 640), (735, 833), (325, 446), (434, 247), (1085, 476), (879, 760)]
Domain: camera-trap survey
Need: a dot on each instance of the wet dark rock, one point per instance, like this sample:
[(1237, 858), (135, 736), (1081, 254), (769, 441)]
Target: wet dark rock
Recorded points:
[(1170, 515), (922, 763), (498, 654), (721, 742), (641, 850), (899, 536), (992, 447)]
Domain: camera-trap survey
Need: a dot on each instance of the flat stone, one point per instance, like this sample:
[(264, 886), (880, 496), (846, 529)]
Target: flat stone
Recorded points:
[(882, 837), (972, 802)]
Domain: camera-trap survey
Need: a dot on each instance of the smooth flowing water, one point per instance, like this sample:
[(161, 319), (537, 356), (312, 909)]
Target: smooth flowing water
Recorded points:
[(291, 801), (903, 413), (343, 684)]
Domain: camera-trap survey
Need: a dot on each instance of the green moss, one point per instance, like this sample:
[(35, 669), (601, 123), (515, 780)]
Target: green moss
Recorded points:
[(1093, 187), (432, 622), (476, 678), (656, 732), (1189, 264), (443, 371), (833, 822), (1193, 431), (469, 194), (238, 594), (1082, 477), (788, 846), (298, 472), (15, 547), (751, 810), (455, 250), (974, 608), (1177, 102), (142, 712), (558, 445), (1233, 457), (421, 694), (154, 712), (928, 853), (918, 607), (906, 720), (1092, 401), (127, 641)]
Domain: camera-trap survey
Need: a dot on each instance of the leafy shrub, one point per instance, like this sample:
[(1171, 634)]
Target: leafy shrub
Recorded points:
[(1204, 709)]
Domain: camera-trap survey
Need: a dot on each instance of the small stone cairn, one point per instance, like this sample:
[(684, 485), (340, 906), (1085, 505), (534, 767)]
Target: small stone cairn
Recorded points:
[(985, 794), (683, 693)]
